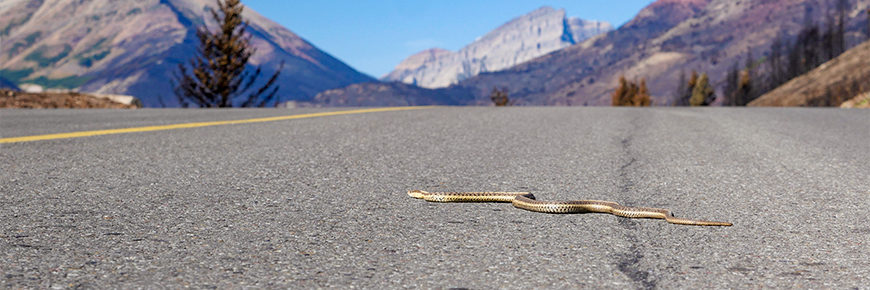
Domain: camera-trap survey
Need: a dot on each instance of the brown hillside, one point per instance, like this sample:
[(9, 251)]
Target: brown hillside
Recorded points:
[(850, 68)]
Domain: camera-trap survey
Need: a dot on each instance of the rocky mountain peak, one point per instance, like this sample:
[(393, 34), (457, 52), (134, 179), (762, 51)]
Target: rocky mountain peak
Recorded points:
[(419, 59), (539, 32)]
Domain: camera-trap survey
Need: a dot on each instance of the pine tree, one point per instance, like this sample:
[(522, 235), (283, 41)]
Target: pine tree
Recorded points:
[(685, 89), (794, 66), (628, 93), (775, 62), (621, 94), (702, 93), (681, 89), (828, 50), (809, 42), (750, 62), (744, 88), (840, 39), (747, 94), (218, 77), (642, 98), (731, 83)]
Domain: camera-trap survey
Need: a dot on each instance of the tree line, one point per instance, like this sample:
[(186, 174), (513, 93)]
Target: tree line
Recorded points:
[(812, 46)]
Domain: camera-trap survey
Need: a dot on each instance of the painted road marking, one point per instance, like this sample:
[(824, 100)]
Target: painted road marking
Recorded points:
[(195, 125)]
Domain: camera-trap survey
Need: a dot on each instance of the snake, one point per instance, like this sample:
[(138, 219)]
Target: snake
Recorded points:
[(527, 201)]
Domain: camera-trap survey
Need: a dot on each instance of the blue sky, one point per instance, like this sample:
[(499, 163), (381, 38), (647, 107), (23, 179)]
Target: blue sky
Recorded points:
[(373, 36)]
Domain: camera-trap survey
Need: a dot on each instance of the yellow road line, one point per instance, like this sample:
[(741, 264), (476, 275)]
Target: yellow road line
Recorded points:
[(194, 125)]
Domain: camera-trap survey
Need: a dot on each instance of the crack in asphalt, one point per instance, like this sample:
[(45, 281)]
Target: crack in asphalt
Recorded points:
[(628, 262)]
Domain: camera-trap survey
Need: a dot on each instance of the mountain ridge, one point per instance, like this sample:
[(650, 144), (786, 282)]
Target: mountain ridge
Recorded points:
[(133, 48), (522, 38)]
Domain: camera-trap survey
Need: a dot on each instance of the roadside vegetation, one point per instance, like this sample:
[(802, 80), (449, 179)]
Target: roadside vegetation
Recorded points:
[(631, 94), (10, 99), (500, 97)]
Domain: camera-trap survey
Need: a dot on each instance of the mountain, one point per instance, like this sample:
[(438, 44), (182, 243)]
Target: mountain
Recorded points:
[(134, 47), (585, 74), (852, 68), (666, 38), (523, 38), (6, 84), (388, 94)]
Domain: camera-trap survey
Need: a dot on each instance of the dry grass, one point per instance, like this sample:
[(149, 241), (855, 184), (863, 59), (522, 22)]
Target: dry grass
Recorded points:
[(21, 100)]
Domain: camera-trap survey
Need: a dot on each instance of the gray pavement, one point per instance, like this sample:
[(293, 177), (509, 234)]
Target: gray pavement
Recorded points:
[(321, 202)]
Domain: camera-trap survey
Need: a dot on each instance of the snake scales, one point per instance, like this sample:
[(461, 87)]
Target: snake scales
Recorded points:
[(527, 201)]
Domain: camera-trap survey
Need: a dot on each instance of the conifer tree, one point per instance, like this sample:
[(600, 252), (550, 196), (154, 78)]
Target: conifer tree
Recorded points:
[(731, 82), (218, 75), (744, 89), (702, 93), (776, 69), (628, 93), (681, 90), (840, 39), (828, 50), (684, 89), (642, 98), (693, 80), (621, 95)]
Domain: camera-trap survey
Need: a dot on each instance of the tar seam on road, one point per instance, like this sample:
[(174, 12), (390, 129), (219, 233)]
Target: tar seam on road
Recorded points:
[(195, 125)]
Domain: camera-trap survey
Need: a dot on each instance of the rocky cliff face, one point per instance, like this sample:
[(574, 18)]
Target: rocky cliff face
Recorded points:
[(133, 48), (540, 32), (581, 30)]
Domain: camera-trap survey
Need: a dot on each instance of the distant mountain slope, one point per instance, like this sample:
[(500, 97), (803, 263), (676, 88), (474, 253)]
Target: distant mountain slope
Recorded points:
[(391, 94), (583, 74), (6, 84), (523, 38), (133, 47), (852, 66), (665, 38), (536, 81)]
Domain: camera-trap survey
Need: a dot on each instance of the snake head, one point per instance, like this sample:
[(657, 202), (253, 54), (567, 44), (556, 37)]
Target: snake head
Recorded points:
[(417, 193)]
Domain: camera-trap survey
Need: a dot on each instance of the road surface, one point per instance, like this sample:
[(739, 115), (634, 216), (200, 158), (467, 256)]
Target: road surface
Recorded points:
[(321, 202)]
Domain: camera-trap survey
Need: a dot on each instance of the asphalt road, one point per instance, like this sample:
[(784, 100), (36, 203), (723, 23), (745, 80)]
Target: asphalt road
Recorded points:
[(321, 202)]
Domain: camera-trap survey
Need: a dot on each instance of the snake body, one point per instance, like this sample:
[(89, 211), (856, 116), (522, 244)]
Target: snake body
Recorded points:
[(527, 201)]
